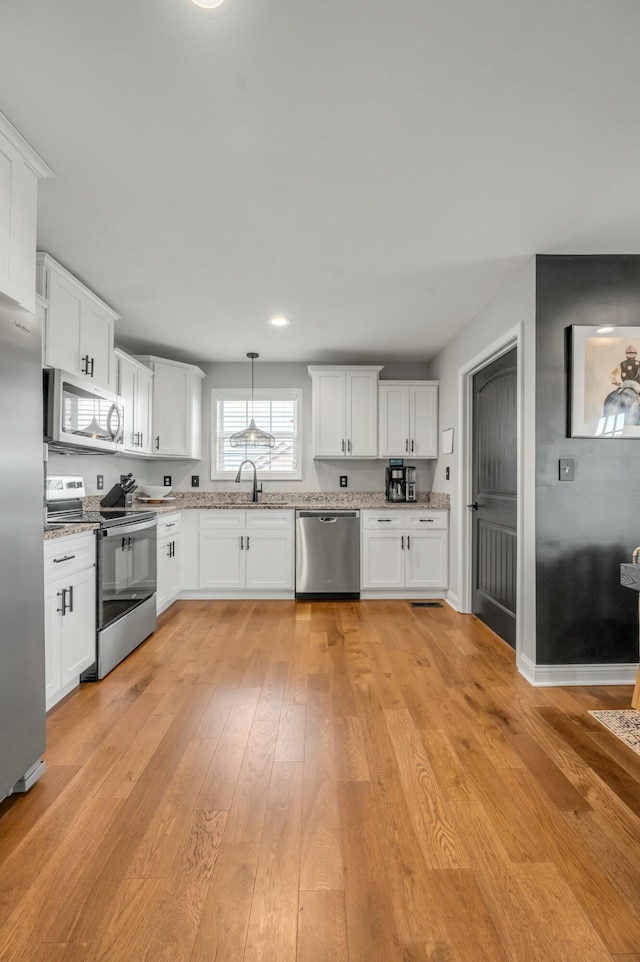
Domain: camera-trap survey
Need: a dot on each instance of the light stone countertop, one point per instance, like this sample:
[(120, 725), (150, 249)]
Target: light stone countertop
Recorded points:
[(219, 500)]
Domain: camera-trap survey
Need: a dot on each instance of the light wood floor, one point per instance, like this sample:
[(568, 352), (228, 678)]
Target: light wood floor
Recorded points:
[(325, 782)]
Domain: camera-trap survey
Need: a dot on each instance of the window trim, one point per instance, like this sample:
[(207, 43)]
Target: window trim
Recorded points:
[(264, 394)]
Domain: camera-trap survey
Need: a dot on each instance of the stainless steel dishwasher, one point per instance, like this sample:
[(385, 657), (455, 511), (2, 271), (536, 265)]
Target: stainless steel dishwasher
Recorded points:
[(327, 554)]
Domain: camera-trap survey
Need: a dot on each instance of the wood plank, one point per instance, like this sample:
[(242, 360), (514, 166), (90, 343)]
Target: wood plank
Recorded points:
[(223, 926), (322, 928), (291, 734), (272, 931), (351, 758)]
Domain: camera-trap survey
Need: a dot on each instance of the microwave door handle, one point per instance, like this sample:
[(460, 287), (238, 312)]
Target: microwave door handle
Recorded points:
[(115, 435)]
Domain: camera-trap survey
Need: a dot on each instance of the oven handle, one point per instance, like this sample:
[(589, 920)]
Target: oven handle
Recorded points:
[(125, 529)]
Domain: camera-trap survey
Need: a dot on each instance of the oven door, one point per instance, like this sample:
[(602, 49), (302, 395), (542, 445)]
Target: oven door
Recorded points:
[(127, 569), (81, 416)]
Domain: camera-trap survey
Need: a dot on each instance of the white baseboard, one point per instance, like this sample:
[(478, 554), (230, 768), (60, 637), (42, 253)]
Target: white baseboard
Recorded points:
[(547, 676), (389, 594), (453, 600), (238, 595)]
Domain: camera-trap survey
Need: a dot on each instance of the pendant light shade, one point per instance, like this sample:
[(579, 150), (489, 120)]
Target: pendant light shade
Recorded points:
[(252, 436)]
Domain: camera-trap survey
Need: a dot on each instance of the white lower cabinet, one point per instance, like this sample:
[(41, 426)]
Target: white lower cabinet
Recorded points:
[(70, 613), (169, 560), (251, 550), (405, 549)]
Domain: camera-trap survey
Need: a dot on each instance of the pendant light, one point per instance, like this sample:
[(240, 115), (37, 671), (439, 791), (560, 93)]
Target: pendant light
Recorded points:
[(252, 436)]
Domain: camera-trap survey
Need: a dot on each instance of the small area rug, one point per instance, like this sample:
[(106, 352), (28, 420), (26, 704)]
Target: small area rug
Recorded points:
[(624, 724)]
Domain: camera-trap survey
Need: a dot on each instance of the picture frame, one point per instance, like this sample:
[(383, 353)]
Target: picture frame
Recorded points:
[(447, 441), (605, 382)]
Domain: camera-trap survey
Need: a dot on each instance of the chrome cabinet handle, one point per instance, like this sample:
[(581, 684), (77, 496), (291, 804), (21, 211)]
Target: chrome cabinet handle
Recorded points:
[(93, 360), (62, 594), (85, 364), (67, 557)]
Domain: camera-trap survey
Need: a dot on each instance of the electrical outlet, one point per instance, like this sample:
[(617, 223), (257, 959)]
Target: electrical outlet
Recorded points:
[(167, 481), (100, 482), (195, 480), (447, 474), (343, 480)]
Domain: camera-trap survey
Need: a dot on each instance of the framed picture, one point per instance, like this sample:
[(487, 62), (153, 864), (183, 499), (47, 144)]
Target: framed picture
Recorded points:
[(447, 441), (605, 382)]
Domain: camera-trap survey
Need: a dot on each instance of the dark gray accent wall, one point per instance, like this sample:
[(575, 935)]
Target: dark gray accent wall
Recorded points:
[(584, 528)]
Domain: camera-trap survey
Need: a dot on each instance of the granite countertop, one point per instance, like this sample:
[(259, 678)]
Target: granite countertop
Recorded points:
[(331, 501), (217, 500)]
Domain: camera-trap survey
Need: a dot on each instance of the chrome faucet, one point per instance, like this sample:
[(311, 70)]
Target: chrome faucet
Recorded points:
[(256, 490)]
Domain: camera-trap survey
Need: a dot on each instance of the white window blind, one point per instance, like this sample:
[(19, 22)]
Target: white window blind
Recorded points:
[(274, 411)]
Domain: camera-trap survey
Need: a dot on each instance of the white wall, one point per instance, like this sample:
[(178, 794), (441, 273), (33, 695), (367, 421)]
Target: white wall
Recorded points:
[(513, 305), (316, 475)]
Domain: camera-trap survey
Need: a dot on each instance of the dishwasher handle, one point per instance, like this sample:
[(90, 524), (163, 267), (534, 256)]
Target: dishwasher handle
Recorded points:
[(328, 520)]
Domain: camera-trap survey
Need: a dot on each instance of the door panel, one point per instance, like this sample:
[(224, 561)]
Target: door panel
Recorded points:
[(221, 560), (427, 559), (424, 421), (383, 559), (362, 414), (269, 561), (495, 493), (394, 421)]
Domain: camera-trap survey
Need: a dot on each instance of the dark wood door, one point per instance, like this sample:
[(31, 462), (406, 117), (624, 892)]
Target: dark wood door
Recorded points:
[(494, 478)]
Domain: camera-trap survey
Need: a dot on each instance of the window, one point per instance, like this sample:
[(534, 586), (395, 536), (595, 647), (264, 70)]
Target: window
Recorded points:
[(277, 412)]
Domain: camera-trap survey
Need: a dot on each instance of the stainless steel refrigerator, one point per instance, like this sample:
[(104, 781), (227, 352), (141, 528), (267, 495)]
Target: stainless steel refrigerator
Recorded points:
[(22, 682)]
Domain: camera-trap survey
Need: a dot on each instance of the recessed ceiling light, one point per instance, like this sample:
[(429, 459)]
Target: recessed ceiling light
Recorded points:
[(279, 322), (605, 330), (208, 3)]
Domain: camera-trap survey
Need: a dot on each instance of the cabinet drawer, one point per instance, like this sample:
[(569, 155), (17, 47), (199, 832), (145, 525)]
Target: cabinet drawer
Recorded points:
[(426, 520), (384, 520), (169, 524), (64, 556), (221, 518), (269, 520)]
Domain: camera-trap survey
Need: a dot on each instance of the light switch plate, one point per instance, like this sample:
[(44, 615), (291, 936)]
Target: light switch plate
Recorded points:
[(195, 480), (565, 467)]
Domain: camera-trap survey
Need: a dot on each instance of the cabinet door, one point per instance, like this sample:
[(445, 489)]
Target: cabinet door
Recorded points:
[(127, 386), (393, 415), (362, 413), (221, 559), (52, 636), (78, 648), (269, 560), (18, 190), (144, 410), (383, 559), (329, 434), (174, 568), (162, 590), (65, 325), (98, 345), (424, 421), (427, 559), (171, 410)]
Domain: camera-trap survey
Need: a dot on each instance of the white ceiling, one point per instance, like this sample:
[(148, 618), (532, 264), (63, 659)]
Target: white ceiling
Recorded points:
[(374, 170)]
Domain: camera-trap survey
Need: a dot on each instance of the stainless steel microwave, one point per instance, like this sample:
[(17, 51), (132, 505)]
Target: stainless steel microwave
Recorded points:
[(81, 417)]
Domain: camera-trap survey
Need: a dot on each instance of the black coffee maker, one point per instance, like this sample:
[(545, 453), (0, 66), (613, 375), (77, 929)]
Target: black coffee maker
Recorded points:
[(400, 483)]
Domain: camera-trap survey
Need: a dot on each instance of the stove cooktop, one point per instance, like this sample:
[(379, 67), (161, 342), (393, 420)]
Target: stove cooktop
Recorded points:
[(106, 519)]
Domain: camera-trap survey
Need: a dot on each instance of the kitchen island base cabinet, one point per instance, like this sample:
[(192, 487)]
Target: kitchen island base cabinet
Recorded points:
[(405, 550), (70, 613), (251, 551), (169, 561)]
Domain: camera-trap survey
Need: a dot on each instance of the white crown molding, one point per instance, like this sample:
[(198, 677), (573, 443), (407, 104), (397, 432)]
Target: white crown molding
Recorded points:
[(31, 158)]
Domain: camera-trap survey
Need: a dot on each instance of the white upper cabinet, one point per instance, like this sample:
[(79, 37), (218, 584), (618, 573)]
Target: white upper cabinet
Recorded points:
[(20, 170), (135, 386), (177, 408), (345, 411), (408, 419), (79, 326)]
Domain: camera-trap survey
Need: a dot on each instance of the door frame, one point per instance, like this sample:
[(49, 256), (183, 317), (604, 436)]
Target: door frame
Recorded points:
[(514, 337)]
